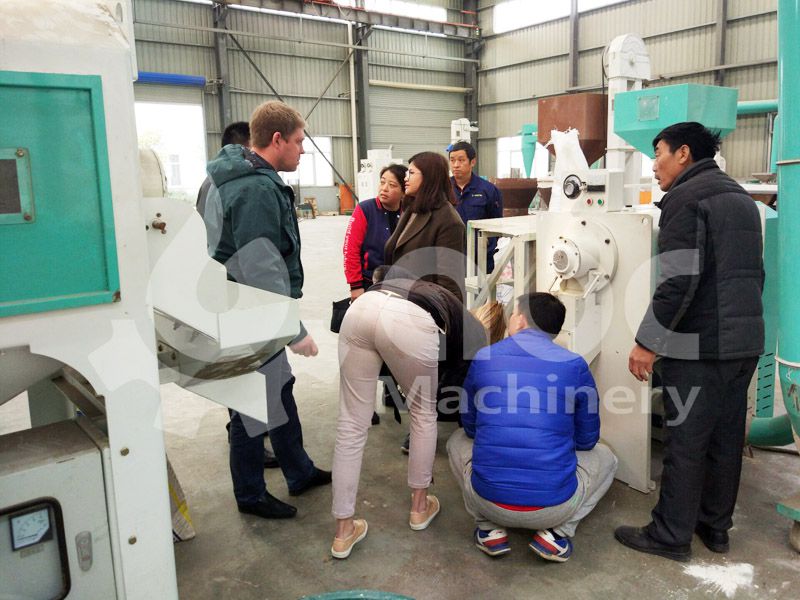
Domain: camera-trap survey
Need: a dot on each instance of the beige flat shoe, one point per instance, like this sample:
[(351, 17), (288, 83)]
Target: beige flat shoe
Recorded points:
[(341, 548), (420, 520)]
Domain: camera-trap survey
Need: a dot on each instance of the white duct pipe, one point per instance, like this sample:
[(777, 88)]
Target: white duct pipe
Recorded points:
[(419, 86)]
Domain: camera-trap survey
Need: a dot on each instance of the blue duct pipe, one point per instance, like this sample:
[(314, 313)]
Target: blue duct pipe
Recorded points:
[(171, 79)]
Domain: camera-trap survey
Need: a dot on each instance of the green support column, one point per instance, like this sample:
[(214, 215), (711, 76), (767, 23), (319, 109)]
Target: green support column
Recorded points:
[(789, 220)]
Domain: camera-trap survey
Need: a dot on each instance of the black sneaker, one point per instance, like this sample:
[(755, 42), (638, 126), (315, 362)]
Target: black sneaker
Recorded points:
[(320, 477), (639, 539), (269, 507), (715, 540), (406, 444)]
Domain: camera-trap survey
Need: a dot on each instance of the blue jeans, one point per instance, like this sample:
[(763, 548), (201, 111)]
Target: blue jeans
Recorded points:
[(285, 432)]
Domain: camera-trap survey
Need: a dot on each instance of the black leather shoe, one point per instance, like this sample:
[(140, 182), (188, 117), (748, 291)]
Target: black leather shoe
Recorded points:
[(638, 539), (376, 418), (269, 507), (319, 478), (715, 540), (270, 462)]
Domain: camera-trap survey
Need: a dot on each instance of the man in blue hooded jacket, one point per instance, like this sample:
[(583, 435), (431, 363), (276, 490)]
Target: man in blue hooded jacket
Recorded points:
[(528, 455), (252, 229)]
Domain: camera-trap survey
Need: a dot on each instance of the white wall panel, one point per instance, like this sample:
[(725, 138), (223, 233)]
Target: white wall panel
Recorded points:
[(746, 149), (754, 83), (530, 43), (524, 81), (743, 8), (752, 39), (173, 13), (487, 158), (644, 18), (171, 58), (504, 120), (412, 121), (682, 52)]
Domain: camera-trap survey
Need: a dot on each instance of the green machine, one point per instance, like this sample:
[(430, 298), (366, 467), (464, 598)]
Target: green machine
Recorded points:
[(528, 133), (640, 115), (57, 242)]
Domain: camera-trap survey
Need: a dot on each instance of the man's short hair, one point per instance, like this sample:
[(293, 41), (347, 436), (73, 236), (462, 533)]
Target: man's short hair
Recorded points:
[(465, 146), (237, 133), (543, 311), (271, 117), (702, 142)]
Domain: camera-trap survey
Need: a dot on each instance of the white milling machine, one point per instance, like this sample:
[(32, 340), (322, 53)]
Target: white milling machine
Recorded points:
[(593, 251), (103, 296)]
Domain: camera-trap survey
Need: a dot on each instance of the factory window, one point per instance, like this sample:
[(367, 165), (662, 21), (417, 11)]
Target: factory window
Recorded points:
[(516, 14), (314, 170), (176, 133), (174, 170), (510, 162), (399, 7), (647, 166)]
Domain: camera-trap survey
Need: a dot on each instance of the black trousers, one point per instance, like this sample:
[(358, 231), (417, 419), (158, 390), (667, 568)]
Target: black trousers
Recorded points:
[(705, 404)]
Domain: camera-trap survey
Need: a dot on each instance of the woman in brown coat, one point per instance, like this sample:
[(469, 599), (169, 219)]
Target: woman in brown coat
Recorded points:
[(430, 239)]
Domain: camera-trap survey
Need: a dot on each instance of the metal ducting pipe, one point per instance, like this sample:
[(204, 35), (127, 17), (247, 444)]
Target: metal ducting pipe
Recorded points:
[(756, 107), (774, 431)]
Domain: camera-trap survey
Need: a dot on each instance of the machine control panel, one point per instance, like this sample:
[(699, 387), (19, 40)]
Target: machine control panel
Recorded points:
[(595, 190)]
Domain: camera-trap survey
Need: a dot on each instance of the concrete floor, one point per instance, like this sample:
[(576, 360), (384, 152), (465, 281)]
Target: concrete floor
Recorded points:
[(243, 557)]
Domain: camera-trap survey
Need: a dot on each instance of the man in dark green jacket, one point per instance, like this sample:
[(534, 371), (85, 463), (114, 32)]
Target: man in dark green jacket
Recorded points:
[(253, 231)]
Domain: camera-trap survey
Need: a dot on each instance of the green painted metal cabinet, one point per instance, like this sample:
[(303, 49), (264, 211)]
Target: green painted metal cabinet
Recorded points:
[(57, 239)]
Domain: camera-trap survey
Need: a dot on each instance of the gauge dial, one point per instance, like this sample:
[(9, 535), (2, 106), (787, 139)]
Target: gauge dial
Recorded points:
[(30, 528)]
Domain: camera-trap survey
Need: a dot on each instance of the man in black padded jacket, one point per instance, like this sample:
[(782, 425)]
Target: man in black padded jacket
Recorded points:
[(705, 326)]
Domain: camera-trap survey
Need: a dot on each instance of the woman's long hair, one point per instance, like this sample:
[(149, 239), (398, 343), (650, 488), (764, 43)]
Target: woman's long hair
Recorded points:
[(436, 188), (492, 317)]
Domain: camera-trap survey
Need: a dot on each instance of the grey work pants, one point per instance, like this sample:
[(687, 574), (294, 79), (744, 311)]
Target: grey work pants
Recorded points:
[(596, 469)]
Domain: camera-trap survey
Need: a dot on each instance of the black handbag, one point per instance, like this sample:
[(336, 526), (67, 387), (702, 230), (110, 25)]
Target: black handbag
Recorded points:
[(337, 314)]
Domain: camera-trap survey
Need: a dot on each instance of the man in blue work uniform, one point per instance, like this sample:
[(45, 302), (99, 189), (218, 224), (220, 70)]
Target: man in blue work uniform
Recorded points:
[(476, 198)]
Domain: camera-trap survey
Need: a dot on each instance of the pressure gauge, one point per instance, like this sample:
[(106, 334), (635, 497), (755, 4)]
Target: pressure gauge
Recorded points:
[(30, 527)]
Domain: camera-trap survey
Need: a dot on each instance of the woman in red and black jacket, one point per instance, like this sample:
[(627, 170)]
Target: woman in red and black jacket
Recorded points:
[(372, 223)]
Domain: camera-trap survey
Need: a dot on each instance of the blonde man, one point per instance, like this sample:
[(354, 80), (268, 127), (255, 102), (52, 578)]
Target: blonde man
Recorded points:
[(259, 244)]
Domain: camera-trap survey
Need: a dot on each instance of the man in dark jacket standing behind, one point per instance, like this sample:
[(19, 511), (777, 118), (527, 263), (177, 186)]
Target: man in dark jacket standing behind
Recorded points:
[(258, 241), (705, 324)]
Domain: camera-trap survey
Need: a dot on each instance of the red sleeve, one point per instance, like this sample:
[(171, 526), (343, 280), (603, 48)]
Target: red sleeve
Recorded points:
[(353, 239)]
